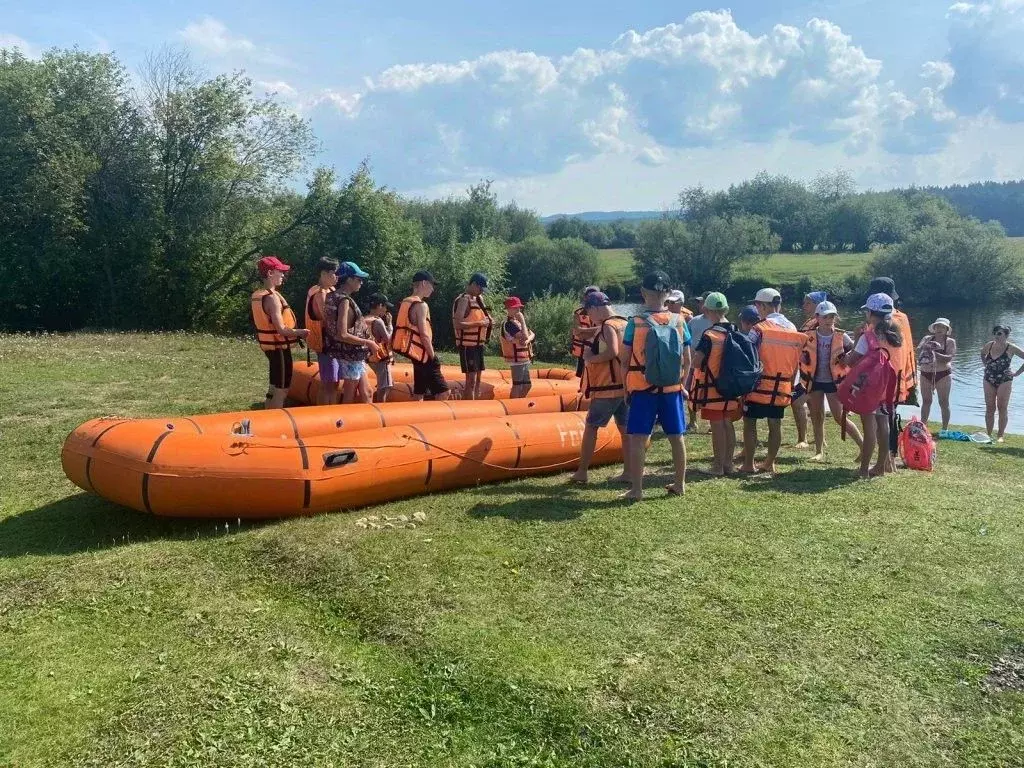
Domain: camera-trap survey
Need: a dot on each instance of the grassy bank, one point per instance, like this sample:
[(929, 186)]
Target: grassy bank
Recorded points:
[(809, 621), (776, 269)]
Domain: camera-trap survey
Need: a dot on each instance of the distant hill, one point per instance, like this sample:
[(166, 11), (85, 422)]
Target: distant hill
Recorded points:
[(605, 216), (988, 200)]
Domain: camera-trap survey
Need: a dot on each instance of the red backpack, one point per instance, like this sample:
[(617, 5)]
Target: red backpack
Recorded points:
[(871, 383), (917, 448)]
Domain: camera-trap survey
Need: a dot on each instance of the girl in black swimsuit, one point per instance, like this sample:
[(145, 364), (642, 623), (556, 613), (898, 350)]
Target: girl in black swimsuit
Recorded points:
[(997, 357)]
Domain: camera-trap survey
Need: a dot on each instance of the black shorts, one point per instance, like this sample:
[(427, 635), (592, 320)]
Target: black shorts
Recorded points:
[(580, 365), (280, 367), (471, 359), (427, 378), (828, 387), (761, 411)]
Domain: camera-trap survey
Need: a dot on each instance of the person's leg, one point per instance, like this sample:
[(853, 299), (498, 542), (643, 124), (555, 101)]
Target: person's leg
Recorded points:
[(278, 390), (1003, 404), (816, 402), (673, 424), (730, 446), (749, 444), (799, 407), (836, 406), (620, 415), (381, 395), (348, 390), (882, 464), (587, 446), (718, 447), (639, 425), (990, 408), (471, 385), (943, 388), (438, 386), (868, 448), (927, 389), (774, 443), (678, 444)]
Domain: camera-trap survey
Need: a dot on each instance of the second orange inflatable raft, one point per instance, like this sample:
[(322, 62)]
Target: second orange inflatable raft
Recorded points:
[(494, 384)]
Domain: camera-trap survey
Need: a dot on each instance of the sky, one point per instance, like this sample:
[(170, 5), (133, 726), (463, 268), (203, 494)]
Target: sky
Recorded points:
[(570, 105)]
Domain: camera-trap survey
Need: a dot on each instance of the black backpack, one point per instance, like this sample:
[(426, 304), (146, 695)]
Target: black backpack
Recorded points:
[(741, 368)]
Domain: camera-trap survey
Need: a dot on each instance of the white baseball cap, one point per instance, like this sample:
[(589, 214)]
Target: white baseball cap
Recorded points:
[(880, 303), (767, 296), (826, 308), (675, 296)]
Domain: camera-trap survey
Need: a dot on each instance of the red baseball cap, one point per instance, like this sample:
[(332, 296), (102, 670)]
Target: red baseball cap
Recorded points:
[(268, 263), (513, 302)]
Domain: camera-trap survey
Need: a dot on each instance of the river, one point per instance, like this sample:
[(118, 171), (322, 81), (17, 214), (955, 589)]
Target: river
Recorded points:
[(972, 327)]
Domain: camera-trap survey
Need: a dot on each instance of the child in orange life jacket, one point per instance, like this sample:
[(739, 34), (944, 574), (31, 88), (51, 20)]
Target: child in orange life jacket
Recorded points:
[(882, 331), (471, 319), (378, 316), (275, 328), (316, 298), (649, 404), (583, 332), (603, 383), (779, 345), (517, 346), (822, 367), (414, 338), (720, 412), (347, 340)]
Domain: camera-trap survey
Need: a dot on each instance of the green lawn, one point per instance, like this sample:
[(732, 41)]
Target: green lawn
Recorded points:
[(777, 269), (808, 621)]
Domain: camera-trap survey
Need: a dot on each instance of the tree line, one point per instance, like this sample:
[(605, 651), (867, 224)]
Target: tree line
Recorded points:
[(988, 201)]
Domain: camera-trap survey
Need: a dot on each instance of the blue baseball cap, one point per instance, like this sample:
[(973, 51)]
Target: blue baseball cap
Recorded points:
[(749, 314), (596, 299), (351, 269), (479, 278), (817, 297)]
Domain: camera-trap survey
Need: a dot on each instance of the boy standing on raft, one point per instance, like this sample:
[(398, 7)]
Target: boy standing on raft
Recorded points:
[(275, 328), (471, 320), (583, 331), (779, 344), (656, 357), (721, 412), (316, 298), (414, 338), (603, 383), (517, 346), (381, 328)]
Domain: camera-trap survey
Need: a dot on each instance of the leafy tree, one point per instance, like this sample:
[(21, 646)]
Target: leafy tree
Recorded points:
[(834, 185), (538, 266)]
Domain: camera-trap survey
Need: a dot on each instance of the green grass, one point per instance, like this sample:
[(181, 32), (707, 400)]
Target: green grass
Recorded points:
[(615, 266), (776, 269), (807, 621)]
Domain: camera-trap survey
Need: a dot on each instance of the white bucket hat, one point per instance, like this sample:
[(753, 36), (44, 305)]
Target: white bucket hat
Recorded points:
[(940, 321)]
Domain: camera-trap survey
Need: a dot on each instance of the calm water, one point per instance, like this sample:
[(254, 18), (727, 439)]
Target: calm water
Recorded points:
[(972, 327)]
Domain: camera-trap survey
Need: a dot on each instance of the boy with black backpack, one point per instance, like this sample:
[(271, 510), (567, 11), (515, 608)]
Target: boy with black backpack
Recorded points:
[(656, 357), (725, 368)]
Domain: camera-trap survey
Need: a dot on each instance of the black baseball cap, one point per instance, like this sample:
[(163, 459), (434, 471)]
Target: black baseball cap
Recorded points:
[(424, 276), (479, 278), (657, 281), (378, 299), (884, 285)]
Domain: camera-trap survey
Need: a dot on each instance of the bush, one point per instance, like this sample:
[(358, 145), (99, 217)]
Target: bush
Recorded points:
[(964, 260), (550, 317), (615, 292), (539, 266)]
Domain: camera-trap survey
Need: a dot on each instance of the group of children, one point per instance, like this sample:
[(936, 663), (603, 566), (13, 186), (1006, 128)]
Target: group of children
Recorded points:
[(639, 371), (349, 344)]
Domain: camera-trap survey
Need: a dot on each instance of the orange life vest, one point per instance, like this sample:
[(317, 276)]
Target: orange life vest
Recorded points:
[(685, 314), (809, 325), (605, 380), (383, 353), (315, 325), (780, 352), (266, 334), (476, 311), (406, 339), (515, 351), (809, 359), (636, 375), (903, 358), (579, 343), (705, 394)]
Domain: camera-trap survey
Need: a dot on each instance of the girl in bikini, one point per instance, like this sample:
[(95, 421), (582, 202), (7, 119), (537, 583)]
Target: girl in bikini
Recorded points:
[(935, 356), (997, 357)]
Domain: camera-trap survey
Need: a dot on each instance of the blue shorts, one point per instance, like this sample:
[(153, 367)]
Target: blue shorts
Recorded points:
[(646, 408), (329, 369)]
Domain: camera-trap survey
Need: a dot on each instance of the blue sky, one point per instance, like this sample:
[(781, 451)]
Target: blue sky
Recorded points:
[(575, 105)]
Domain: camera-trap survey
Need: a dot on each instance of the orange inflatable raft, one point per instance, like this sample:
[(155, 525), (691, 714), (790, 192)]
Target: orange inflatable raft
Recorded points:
[(494, 384), (268, 464)]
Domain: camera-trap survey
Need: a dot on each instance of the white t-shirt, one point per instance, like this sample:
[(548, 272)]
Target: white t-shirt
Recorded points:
[(823, 372)]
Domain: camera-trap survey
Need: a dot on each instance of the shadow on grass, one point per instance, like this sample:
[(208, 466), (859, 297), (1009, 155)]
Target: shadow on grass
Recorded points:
[(1006, 450), (554, 509), (819, 479), (84, 522)]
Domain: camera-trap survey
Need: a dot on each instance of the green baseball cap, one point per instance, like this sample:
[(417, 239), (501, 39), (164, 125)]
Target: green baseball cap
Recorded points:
[(716, 301)]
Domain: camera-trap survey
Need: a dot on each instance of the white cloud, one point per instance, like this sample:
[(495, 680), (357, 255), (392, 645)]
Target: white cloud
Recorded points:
[(987, 56), (705, 82), (279, 87), (211, 37), (13, 41)]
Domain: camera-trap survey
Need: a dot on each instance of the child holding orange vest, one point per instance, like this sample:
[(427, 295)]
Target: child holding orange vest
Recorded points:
[(517, 346), (655, 395), (378, 315), (316, 298)]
